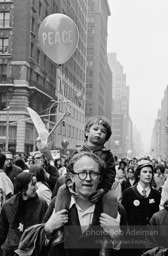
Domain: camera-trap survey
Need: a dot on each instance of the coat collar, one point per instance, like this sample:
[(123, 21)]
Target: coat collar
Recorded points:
[(15, 199), (102, 148)]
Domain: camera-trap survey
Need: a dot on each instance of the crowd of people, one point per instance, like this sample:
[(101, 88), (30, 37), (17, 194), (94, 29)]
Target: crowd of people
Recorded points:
[(90, 203)]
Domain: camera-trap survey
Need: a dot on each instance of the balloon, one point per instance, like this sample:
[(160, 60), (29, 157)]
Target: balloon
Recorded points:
[(58, 36), (64, 143)]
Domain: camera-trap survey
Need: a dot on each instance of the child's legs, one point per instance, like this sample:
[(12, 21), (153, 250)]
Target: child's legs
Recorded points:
[(63, 198), (110, 203)]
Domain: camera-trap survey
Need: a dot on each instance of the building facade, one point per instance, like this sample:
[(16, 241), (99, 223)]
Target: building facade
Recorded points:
[(121, 121), (98, 75), (28, 78), (159, 140)]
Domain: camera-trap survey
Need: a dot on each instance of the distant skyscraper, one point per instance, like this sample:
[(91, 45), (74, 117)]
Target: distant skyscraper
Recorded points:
[(121, 123), (98, 76)]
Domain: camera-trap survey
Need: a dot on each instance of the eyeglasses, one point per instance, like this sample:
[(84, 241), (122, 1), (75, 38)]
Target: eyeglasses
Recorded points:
[(83, 175)]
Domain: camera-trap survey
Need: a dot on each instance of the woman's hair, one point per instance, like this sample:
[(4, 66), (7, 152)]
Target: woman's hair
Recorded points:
[(56, 160), (38, 171), (100, 120), (22, 181), (161, 167), (122, 162), (97, 159), (2, 160), (19, 162)]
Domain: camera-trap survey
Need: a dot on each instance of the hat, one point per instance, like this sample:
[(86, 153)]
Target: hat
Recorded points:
[(142, 163), (21, 181), (38, 155)]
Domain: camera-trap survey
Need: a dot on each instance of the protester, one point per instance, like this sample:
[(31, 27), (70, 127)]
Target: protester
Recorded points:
[(63, 170), (97, 133), (10, 168), (83, 217), (130, 180), (135, 200), (159, 177), (158, 226), (164, 194), (58, 164), (121, 171), (19, 212), (141, 201), (30, 161), (6, 185), (43, 189), (51, 171), (20, 163)]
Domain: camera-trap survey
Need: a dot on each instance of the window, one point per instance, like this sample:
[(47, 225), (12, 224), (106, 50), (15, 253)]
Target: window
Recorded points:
[(40, 8), (33, 25), (38, 56), (91, 19), (3, 129), (32, 50), (4, 19), (33, 2), (4, 42), (3, 72)]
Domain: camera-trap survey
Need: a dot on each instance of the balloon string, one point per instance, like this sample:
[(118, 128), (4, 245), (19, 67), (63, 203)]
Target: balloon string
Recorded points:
[(63, 93)]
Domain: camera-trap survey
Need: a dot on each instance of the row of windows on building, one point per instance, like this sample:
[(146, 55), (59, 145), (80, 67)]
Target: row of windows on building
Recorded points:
[(77, 115), (71, 132), (68, 130), (43, 61)]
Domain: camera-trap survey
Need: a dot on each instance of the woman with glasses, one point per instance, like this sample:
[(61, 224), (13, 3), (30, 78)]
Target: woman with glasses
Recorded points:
[(86, 226)]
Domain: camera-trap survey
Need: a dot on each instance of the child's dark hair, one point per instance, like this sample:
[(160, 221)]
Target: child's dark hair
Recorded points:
[(99, 120)]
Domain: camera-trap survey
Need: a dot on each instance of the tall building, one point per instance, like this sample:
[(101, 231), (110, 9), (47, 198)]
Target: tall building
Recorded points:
[(159, 140), (28, 78), (98, 76), (121, 122), (156, 137)]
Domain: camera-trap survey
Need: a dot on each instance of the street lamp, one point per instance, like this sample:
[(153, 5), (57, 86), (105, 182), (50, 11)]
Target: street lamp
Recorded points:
[(7, 128), (49, 113)]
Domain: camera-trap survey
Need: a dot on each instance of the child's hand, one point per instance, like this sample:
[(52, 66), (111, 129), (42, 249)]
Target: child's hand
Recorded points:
[(97, 195), (71, 190), (110, 225)]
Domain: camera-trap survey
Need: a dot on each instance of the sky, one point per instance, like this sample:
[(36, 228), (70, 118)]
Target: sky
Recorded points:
[(138, 33)]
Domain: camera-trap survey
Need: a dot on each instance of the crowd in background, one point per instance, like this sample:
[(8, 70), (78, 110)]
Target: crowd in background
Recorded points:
[(28, 185)]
